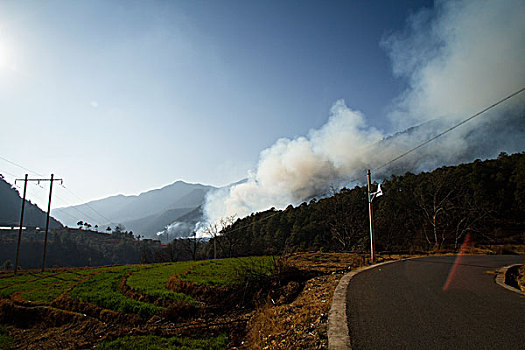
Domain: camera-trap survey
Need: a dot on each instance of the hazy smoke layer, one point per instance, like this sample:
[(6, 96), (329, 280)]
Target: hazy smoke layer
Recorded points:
[(457, 58)]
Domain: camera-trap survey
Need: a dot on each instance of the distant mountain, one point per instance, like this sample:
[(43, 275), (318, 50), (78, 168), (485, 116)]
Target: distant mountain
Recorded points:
[(10, 205), (144, 214), (152, 224), (185, 225)]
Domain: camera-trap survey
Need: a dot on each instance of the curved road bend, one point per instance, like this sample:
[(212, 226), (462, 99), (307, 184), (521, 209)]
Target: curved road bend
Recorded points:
[(403, 306)]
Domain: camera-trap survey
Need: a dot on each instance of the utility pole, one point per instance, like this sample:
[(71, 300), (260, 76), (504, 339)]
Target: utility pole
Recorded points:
[(370, 215), (371, 196), (25, 179), (21, 223), (47, 218)]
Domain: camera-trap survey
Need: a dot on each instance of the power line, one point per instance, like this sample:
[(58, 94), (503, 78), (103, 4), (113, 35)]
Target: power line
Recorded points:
[(450, 129), (60, 198), (67, 214), (20, 166), (87, 204), (8, 173), (406, 153), (83, 214), (327, 192)]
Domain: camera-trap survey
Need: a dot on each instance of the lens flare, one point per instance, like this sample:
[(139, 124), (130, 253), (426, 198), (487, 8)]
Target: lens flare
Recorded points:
[(459, 258)]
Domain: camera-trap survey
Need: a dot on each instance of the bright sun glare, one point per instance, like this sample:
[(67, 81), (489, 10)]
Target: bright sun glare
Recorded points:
[(6, 57)]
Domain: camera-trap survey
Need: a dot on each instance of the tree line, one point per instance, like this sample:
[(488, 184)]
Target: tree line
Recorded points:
[(75, 247), (428, 211)]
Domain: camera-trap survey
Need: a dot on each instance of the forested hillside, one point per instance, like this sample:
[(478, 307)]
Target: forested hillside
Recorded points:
[(431, 210), (428, 211), (75, 247)]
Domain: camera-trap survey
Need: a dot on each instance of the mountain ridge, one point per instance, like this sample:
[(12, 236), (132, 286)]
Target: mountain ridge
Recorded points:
[(123, 209)]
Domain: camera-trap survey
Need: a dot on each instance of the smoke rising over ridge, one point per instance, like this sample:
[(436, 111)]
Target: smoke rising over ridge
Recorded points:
[(457, 59)]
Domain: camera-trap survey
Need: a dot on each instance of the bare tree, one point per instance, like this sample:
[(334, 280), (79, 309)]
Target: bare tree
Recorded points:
[(347, 219), (218, 232), (433, 199), (228, 239), (465, 214), (213, 231)]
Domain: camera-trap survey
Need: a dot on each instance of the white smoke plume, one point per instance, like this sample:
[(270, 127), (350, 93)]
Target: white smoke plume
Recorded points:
[(176, 230), (293, 170), (458, 58)]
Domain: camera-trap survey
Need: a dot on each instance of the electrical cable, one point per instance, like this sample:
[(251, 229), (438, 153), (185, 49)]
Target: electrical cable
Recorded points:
[(20, 166), (450, 129), (411, 150), (327, 192), (62, 199), (87, 204)]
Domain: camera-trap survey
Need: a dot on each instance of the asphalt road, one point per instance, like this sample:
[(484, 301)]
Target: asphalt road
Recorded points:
[(403, 305)]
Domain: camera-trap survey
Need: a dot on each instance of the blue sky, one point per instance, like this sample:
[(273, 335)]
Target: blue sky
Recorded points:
[(126, 96)]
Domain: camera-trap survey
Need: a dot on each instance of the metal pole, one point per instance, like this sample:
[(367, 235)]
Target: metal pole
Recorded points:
[(47, 222), (21, 223), (370, 214)]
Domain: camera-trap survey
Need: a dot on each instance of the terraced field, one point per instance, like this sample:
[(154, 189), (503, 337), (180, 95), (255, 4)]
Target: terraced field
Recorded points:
[(227, 272), (140, 291), (43, 287), (152, 280)]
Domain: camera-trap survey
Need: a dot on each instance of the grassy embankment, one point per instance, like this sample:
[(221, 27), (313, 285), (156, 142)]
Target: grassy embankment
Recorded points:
[(152, 342), (152, 281), (6, 342)]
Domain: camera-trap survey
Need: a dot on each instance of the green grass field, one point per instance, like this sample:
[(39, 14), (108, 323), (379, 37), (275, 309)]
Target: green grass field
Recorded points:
[(151, 342), (47, 286), (103, 287), (6, 342), (43, 290), (228, 272), (100, 286), (152, 280), (23, 278), (103, 290)]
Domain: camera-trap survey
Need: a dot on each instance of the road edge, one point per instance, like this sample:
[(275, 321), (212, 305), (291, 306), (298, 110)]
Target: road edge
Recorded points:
[(500, 279), (338, 331)]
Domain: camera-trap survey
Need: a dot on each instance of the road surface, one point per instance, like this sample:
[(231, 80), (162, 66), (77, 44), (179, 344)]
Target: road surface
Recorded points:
[(410, 305)]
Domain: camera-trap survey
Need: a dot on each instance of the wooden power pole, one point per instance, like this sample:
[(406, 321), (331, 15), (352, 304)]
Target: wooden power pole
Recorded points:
[(371, 196), (370, 215), (25, 179), (47, 218), (21, 223)]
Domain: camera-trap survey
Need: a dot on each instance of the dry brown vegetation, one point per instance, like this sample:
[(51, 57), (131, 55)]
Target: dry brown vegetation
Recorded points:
[(521, 278), (303, 322), (287, 310), (290, 307)]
